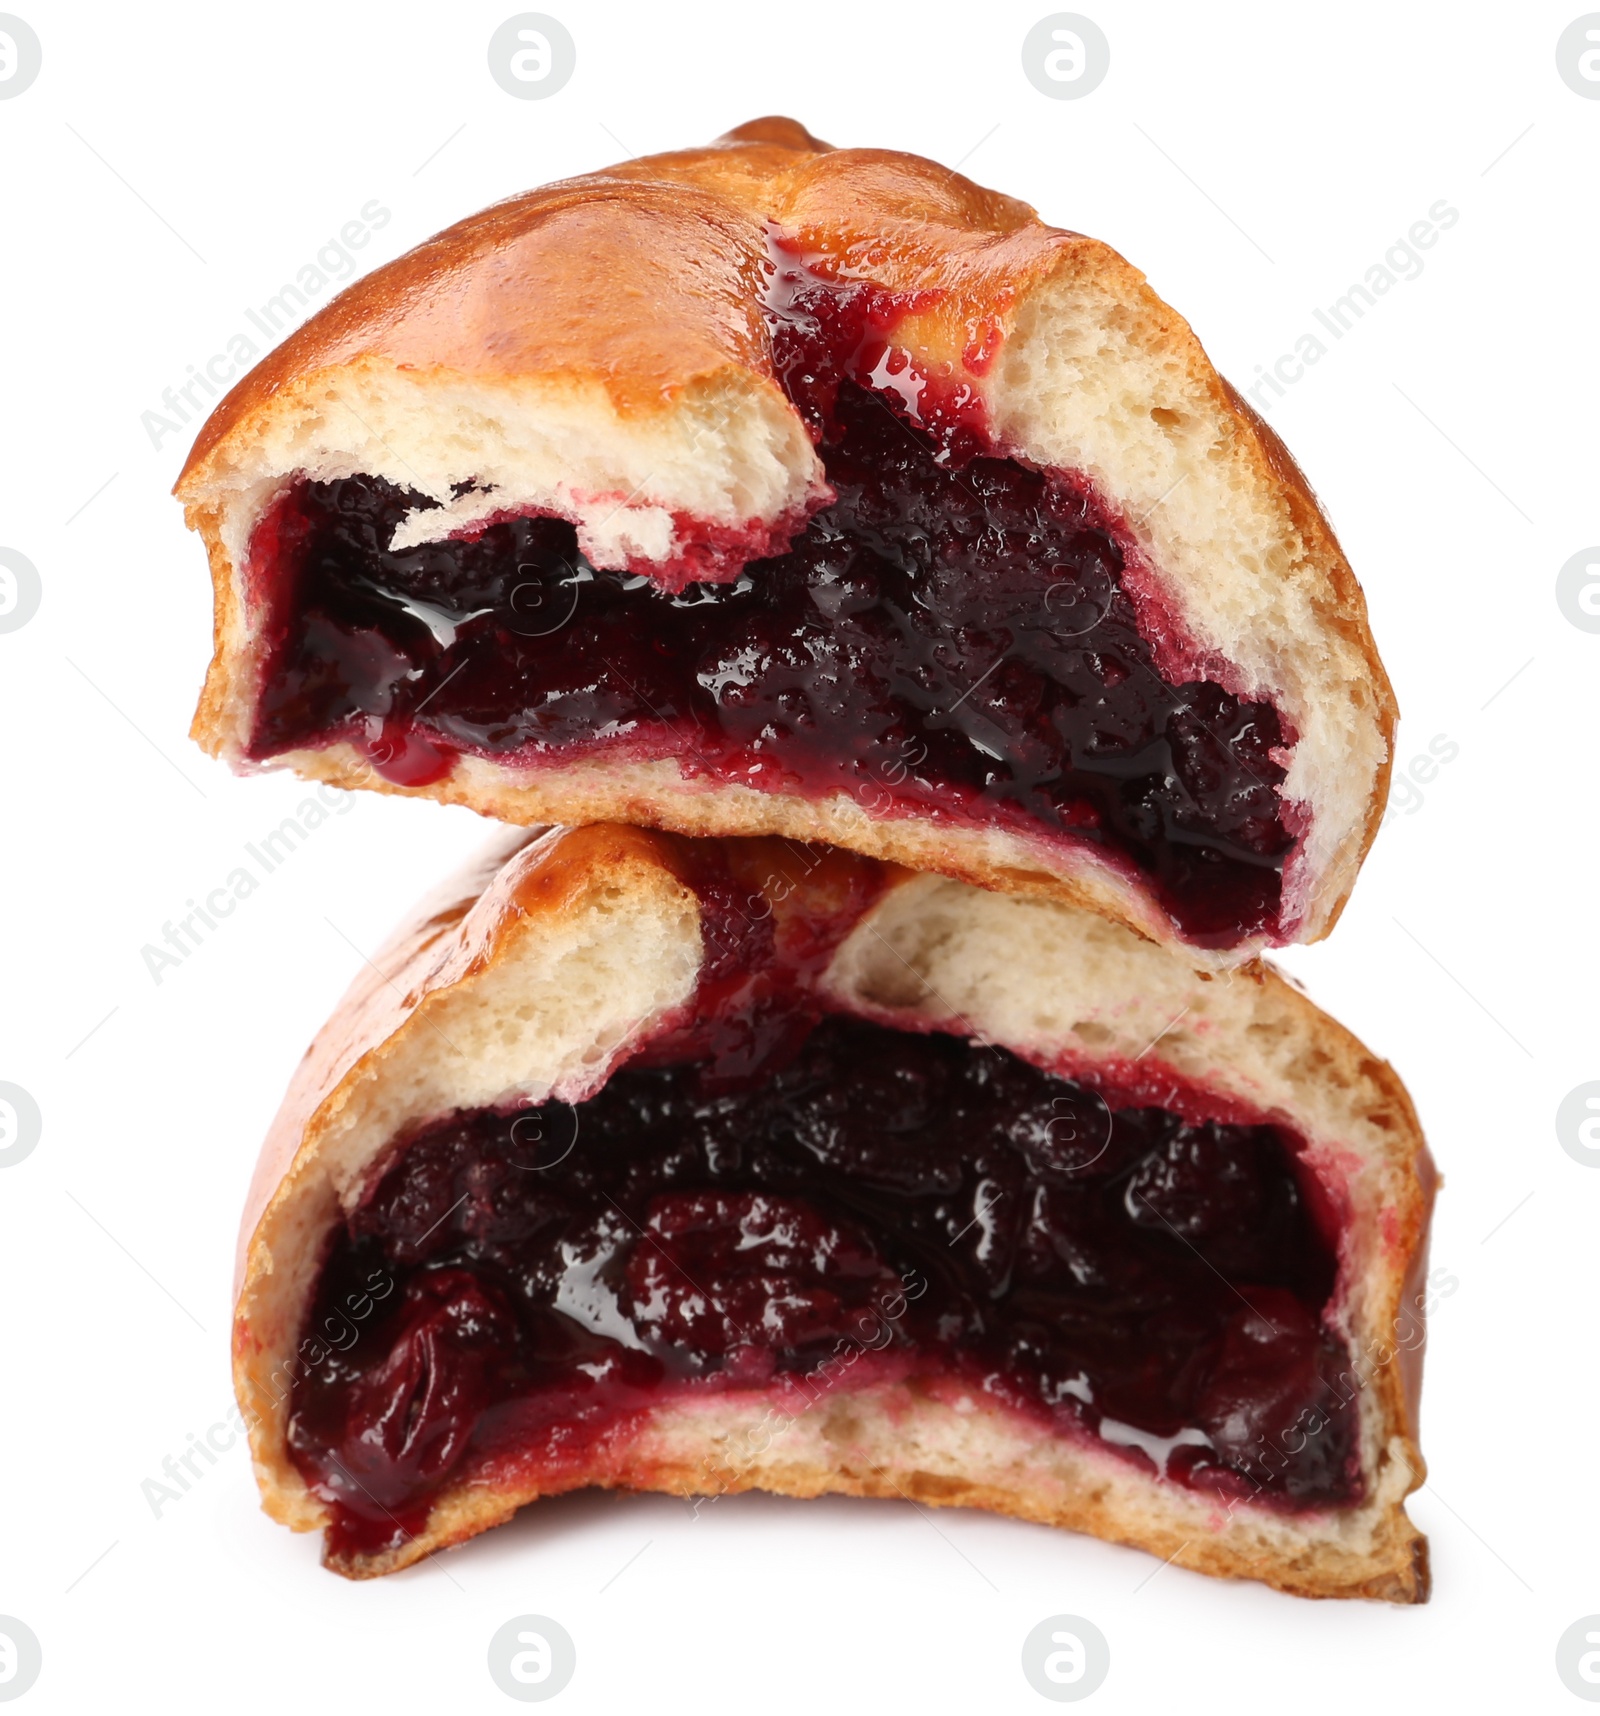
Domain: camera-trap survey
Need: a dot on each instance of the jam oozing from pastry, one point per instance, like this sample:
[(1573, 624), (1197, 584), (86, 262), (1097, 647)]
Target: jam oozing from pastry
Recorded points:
[(951, 638), (878, 1206)]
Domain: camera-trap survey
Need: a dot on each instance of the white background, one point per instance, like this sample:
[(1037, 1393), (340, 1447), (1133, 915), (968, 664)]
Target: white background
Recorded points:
[(169, 169)]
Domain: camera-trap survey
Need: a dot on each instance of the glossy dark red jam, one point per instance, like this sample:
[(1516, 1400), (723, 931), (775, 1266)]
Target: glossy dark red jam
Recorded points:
[(951, 637), (534, 1279)]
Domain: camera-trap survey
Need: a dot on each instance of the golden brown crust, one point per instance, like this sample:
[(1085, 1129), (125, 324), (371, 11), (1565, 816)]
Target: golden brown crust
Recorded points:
[(551, 283), (533, 887), (547, 284)]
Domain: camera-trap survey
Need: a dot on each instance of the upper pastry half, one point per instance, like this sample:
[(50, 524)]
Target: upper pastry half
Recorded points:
[(770, 488)]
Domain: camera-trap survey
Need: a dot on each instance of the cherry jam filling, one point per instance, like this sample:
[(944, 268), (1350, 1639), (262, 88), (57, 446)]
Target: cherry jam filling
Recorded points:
[(949, 638), (883, 1204)]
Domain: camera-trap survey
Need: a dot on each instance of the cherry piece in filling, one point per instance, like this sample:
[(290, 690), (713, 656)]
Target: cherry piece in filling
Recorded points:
[(878, 1204)]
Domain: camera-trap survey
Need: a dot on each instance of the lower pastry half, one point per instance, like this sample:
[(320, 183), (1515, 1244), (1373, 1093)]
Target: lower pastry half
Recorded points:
[(704, 1166)]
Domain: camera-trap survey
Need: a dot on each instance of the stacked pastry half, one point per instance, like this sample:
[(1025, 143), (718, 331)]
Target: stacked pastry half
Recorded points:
[(919, 688)]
